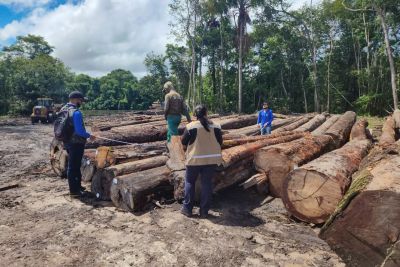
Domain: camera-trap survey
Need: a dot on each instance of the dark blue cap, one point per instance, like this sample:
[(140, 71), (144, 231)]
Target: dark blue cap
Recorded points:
[(77, 94)]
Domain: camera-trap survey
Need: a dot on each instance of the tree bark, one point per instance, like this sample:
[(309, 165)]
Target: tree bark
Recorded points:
[(277, 161), (250, 139), (396, 117), (312, 124), (294, 125), (108, 156), (340, 130), (364, 230), (176, 161), (133, 191), (238, 153), (88, 165), (388, 136), (326, 125), (103, 178), (106, 126), (312, 192)]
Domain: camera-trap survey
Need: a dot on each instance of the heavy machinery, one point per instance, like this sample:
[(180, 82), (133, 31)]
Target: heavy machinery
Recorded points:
[(45, 111)]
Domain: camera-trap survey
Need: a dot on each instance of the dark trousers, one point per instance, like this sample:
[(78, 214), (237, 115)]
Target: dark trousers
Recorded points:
[(192, 172), (75, 154)]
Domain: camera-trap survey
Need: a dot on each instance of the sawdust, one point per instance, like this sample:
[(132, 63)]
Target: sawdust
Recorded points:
[(41, 226)]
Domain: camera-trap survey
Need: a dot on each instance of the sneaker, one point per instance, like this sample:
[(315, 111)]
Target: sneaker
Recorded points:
[(186, 213)]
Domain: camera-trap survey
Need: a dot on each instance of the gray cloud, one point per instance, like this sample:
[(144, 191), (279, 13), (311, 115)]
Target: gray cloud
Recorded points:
[(97, 36)]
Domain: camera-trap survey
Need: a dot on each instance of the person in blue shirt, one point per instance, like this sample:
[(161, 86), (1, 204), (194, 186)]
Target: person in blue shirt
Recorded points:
[(75, 145), (265, 118)]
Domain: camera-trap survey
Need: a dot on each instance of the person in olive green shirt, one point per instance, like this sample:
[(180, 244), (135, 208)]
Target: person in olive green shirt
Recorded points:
[(174, 108)]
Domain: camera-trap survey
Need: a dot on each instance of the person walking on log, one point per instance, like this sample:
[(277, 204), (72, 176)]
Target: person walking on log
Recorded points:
[(174, 107), (74, 138), (203, 139), (265, 118)]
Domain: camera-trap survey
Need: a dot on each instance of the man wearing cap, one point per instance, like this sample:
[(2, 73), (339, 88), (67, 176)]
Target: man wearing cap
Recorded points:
[(75, 146), (174, 108), (265, 118)]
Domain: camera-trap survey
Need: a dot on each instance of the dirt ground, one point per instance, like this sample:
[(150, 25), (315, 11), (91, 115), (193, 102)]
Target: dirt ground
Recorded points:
[(41, 226)]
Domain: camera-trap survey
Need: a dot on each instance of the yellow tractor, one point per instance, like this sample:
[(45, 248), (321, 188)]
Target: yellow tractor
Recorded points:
[(45, 111)]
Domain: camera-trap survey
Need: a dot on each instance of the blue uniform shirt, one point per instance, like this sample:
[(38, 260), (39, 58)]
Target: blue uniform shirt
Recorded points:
[(79, 126), (265, 117)]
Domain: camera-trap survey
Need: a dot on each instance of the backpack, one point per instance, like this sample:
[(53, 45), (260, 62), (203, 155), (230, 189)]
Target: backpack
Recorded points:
[(63, 127)]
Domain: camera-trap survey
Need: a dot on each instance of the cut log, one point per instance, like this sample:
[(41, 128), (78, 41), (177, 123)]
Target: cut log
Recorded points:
[(312, 192), (326, 125), (249, 139), (396, 117), (153, 133), (108, 125), (133, 191), (88, 165), (312, 124), (237, 153), (277, 161), (176, 161), (238, 122), (103, 178), (59, 161), (364, 230), (255, 129), (237, 173), (58, 158), (388, 136), (108, 156), (294, 125), (340, 130)]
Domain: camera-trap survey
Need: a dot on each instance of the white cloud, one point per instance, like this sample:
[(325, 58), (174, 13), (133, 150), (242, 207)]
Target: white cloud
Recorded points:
[(22, 4), (97, 36)]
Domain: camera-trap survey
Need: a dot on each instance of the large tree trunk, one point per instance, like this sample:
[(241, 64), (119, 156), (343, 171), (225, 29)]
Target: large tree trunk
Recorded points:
[(103, 178), (312, 124), (153, 133), (227, 143), (294, 125), (277, 161), (340, 130), (388, 136), (364, 230), (396, 117), (106, 126), (108, 156), (133, 191), (88, 165), (233, 175), (255, 129), (311, 192), (326, 125), (247, 151)]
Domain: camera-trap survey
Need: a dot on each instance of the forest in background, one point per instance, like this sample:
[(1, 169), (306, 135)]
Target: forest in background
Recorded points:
[(234, 54)]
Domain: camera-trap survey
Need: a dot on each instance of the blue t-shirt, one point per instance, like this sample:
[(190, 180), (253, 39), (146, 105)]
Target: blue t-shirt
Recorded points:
[(265, 117)]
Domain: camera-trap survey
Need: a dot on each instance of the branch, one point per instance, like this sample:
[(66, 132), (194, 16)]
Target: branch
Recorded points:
[(354, 10)]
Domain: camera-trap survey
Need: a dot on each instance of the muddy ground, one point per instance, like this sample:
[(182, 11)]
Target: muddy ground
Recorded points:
[(41, 226)]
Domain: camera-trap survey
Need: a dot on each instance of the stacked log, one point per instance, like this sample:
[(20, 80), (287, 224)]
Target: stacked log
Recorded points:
[(311, 192), (364, 230), (294, 125), (133, 191), (152, 133), (312, 124), (277, 161), (101, 183), (340, 130), (108, 125), (326, 125), (255, 129), (388, 136)]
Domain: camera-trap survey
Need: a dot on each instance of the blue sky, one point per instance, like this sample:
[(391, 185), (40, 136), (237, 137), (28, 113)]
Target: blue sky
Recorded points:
[(94, 36)]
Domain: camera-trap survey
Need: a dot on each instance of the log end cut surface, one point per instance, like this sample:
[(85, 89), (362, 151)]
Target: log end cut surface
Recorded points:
[(312, 203)]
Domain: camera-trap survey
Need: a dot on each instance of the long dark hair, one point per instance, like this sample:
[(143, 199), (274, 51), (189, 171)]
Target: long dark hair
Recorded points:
[(201, 114)]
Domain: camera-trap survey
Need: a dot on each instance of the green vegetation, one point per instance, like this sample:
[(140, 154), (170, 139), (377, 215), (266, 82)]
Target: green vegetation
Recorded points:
[(235, 54)]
